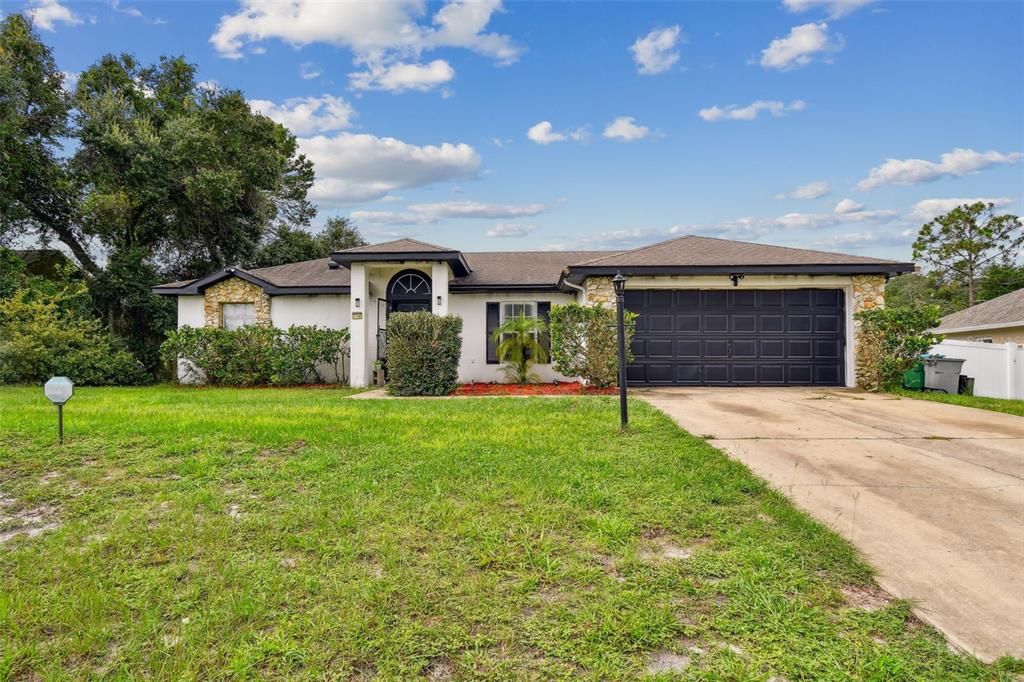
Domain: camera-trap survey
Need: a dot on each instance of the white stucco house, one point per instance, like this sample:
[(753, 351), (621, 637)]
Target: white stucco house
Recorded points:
[(711, 311)]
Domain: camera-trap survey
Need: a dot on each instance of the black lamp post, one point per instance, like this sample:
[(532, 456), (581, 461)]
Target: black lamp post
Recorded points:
[(619, 282)]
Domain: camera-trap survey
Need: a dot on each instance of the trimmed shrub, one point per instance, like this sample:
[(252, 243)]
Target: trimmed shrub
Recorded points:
[(42, 336), (423, 353), (584, 342), (257, 355), (892, 340)]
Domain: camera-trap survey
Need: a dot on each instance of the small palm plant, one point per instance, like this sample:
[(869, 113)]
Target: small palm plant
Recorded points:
[(519, 347)]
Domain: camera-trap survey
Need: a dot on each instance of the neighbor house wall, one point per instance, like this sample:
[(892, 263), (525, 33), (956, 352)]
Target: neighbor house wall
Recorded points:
[(860, 292), (1002, 335), (472, 308)]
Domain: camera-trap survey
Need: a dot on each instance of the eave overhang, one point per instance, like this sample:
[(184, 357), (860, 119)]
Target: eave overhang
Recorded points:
[(455, 260), (575, 274)]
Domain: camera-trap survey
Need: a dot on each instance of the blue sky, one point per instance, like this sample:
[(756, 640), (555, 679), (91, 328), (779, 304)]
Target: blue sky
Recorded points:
[(832, 124)]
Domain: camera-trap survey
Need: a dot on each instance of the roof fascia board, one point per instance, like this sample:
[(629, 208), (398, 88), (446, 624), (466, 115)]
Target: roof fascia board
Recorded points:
[(582, 271), (979, 327), (454, 258)]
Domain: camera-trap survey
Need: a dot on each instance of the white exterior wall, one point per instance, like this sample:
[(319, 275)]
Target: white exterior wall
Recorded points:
[(190, 314), (472, 308), (330, 311), (323, 310), (844, 282)]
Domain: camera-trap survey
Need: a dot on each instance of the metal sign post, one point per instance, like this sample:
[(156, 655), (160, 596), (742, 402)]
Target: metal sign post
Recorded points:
[(59, 390), (619, 282)]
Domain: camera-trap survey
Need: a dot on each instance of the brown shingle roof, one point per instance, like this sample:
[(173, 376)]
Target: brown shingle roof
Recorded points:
[(309, 273), (1008, 309), (398, 246), (694, 250), (519, 268)]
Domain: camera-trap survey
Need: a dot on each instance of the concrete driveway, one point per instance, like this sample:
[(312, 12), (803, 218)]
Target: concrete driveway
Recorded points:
[(932, 494)]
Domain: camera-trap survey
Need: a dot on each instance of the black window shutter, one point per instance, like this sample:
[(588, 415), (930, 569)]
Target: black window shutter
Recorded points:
[(493, 322), (544, 313)]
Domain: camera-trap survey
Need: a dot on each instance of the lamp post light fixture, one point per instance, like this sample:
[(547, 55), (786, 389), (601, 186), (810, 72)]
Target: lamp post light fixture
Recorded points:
[(619, 282), (59, 390)]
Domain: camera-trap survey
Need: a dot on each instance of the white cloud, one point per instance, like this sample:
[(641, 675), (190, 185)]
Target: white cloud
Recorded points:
[(353, 168), (401, 77), (375, 31), (130, 11), (45, 14), (928, 209), (475, 209), (544, 133), (848, 206), (812, 190), (209, 84), (735, 112), (656, 52), (750, 228), (625, 128), (308, 115), (418, 214), (308, 71), (611, 239), (834, 8), (953, 164), (511, 230), (799, 47), (856, 241)]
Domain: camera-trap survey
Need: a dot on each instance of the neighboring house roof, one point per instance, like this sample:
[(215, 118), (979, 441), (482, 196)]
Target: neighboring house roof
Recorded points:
[(42, 262), (1005, 311), (547, 270)]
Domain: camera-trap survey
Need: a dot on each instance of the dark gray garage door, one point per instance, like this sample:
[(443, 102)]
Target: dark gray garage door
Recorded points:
[(737, 337)]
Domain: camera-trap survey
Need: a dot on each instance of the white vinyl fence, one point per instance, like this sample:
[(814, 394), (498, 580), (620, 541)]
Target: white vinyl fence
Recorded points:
[(997, 368)]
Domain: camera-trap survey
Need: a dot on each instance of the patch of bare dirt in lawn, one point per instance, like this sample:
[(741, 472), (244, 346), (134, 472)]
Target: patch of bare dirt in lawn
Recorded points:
[(439, 668), (29, 521), (665, 661), (866, 597), (659, 548)]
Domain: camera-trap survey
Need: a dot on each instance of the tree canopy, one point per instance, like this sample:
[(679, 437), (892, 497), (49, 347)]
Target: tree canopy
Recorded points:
[(967, 240)]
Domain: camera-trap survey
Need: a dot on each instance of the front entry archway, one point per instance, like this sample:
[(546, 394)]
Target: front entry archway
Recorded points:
[(409, 292)]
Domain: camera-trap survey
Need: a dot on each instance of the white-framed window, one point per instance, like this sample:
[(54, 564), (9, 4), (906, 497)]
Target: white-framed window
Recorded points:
[(515, 309), (235, 315)]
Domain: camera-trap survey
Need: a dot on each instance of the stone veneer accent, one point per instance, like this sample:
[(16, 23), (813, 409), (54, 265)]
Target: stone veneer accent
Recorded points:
[(234, 290), (599, 290), (868, 293)]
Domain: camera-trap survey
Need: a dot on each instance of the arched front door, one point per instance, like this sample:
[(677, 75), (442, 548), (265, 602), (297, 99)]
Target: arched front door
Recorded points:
[(408, 292)]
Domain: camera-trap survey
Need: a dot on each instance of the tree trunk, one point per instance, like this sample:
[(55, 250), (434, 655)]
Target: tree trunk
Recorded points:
[(89, 266)]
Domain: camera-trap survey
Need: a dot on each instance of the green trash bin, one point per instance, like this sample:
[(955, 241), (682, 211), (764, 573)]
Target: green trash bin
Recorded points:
[(913, 378)]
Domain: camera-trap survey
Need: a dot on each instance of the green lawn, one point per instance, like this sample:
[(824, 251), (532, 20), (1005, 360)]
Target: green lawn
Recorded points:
[(299, 534), (994, 404)]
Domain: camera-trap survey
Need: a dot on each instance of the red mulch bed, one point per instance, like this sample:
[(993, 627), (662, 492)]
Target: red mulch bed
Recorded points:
[(557, 388)]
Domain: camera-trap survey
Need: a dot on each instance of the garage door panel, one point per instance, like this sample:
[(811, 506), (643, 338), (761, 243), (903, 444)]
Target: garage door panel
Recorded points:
[(715, 322), (688, 323), (743, 322), (686, 298), (744, 374), (738, 337), (798, 323), (688, 348), (771, 323), (744, 348)]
